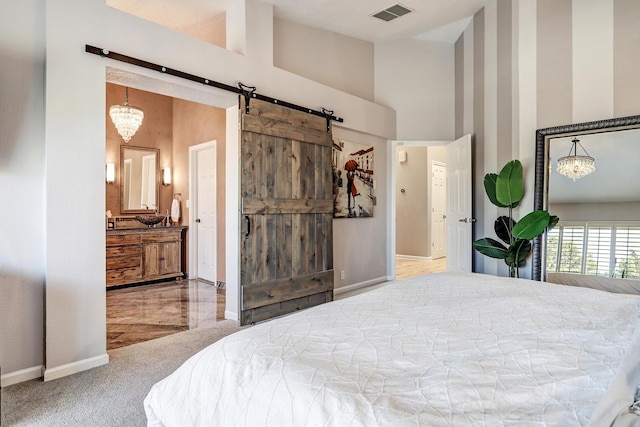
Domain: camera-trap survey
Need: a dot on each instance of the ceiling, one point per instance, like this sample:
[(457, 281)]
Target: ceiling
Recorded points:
[(348, 17)]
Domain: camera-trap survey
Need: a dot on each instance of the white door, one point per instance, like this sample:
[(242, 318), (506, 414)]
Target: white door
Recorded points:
[(438, 209), (459, 222), (205, 213)]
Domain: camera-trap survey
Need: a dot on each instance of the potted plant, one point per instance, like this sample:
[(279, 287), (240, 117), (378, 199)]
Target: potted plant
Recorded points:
[(505, 190)]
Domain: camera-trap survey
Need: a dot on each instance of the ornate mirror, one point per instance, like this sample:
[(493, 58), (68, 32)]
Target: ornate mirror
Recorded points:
[(600, 212), (139, 179)]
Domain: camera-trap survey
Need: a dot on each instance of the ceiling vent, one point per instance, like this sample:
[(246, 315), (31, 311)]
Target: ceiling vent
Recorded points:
[(392, 12)]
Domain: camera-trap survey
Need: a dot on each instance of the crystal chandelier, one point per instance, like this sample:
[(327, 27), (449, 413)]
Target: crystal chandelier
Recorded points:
[(127, 118), (575, 166)]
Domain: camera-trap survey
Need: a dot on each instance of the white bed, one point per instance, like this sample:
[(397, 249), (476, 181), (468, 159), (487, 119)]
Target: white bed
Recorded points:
[(443, 349)]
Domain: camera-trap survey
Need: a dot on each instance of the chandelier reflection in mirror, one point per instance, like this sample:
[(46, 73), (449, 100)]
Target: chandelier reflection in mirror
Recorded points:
[(575, 166), (127, 118)]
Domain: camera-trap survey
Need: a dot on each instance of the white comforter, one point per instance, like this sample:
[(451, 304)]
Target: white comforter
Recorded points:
[(438, 350)]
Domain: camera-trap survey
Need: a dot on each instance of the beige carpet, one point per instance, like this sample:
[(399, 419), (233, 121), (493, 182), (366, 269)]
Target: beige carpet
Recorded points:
[(109, 395)]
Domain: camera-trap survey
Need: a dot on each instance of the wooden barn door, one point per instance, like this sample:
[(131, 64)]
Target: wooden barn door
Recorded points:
[(286, 240)]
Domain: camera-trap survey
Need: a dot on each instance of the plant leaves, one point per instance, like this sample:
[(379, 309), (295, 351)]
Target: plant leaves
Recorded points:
[(502, 227), (510, 184), (532, 225), (553, 221), (490, 188), (519, 250), (491, 248)]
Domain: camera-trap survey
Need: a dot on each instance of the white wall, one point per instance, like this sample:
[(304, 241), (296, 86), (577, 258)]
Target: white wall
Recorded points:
[(416, 79), (21, 187)]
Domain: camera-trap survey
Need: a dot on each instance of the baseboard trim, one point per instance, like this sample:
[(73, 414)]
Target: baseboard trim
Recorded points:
[(21, 376), (414, 258), (348, 288), (74, 367)]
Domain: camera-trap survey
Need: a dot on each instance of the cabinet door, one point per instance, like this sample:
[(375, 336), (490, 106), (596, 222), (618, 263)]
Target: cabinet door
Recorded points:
[(170, 258), (152, 255)]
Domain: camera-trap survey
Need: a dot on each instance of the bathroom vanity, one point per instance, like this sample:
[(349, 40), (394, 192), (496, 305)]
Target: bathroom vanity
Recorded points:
[(141, 255)]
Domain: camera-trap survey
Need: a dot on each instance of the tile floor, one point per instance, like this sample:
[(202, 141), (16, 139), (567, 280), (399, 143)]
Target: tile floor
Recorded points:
[(142, 313)]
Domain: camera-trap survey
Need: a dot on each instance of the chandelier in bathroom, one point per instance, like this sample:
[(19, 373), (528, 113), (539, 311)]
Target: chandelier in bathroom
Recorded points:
[(575, 166), (127, 118)]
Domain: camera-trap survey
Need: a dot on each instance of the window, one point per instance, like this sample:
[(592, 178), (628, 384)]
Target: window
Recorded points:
[(600, 249)]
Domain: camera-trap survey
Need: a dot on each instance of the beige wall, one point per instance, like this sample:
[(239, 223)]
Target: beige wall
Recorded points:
[(155, 132), (621, 211), (195, 124), (338, 61), (413, 206)]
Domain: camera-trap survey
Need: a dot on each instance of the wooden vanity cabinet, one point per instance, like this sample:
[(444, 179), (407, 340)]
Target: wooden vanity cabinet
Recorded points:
[(162, 254), (142, 255)]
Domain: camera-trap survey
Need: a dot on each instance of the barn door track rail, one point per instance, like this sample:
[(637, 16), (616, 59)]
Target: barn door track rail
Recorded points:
[(243, 90)]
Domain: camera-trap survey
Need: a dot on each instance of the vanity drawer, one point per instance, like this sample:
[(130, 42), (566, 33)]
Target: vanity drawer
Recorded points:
[(122, 262), (123, 251), (160, 236), (121, 239), (121, 276)]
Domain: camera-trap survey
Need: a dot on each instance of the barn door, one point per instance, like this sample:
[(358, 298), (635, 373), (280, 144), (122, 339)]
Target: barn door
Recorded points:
[(286, 240)]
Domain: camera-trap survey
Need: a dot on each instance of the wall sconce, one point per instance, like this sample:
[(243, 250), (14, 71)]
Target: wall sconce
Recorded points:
[(166, 176), (402, 156), (110, 173)]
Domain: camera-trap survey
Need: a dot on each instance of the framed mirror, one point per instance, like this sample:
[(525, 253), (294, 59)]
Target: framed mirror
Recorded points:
[(139, 179), (600, 212)]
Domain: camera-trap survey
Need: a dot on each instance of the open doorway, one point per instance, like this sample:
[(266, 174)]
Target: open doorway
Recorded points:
[(420, 184), (457, 169), (176, 119)]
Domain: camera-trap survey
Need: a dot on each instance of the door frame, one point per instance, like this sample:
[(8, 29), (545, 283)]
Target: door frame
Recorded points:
[(391, 205), (193, 206)]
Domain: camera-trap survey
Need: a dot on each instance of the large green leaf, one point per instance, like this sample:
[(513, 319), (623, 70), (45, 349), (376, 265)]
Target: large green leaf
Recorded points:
[(553, 221), (490, 188), (502, 227), (518, 252), (532, 225), (510, 184), (491, 248)]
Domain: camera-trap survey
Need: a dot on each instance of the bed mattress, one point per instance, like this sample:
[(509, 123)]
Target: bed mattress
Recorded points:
[(445, 349)]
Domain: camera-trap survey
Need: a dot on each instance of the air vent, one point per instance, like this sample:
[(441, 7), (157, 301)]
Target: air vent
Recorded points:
[(392, 12)]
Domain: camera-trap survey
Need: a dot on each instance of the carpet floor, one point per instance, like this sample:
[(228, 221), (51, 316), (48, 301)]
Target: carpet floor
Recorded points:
[(109, 395)]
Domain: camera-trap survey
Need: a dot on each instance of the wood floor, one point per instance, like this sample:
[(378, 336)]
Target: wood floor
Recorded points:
[(143, 313), (406, 268)]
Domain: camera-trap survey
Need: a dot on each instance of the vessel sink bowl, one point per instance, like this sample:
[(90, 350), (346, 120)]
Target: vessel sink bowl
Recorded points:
[(151, 220)]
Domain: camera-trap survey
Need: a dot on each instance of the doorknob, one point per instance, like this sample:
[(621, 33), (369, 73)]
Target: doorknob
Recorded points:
[(198, 220), (467, 220)]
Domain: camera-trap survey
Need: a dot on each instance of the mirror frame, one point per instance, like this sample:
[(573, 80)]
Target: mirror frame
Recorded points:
[(158, 175), (541, 185)]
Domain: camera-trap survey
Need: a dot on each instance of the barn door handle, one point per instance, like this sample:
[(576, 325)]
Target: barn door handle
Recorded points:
[(246, 218)]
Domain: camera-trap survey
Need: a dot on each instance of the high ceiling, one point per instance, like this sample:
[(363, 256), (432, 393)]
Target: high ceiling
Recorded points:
[(349, 17)]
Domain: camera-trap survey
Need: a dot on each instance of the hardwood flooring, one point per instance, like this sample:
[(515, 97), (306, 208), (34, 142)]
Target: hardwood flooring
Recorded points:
[(142, 313), (406, 268)]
